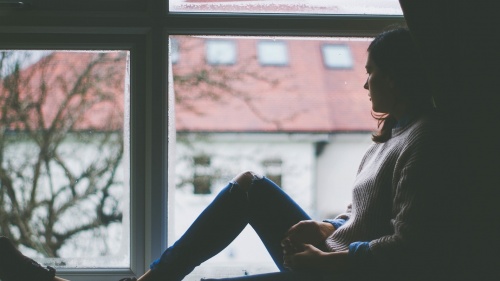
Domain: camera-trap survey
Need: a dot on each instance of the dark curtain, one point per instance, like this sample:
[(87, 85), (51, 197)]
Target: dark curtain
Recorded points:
[(460, 45)]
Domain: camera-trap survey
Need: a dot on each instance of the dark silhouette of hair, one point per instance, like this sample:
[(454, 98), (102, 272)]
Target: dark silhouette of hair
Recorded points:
[(395, 53)]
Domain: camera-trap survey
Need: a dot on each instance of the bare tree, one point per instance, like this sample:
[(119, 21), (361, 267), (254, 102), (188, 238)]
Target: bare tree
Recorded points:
[(198, 85), (61, 146), (61, 137)]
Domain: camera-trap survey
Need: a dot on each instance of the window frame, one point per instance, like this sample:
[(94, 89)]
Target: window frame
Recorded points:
[(143, 29), (48, 6)]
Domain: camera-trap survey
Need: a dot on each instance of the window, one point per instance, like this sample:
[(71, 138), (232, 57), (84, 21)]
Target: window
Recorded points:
[(174, 50), (202, 178), (64, 152), (140, 30), (337, 56), (221, 52), (294, 6), (273, 170), (249, 116), (272, 53)]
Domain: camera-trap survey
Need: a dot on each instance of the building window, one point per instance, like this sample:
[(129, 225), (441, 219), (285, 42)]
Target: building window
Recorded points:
[(273, 170), (337, 56), (174, 50), (220, 52), (202, 177), (272, 53)]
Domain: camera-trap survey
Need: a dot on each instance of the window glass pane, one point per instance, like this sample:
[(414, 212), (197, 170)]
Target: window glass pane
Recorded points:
[(272, 53), (64, 187), (303, 125), (376, 7)]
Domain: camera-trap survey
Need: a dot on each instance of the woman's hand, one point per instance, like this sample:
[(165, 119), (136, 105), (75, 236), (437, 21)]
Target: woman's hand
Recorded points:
[(312, 258), (306, 232)]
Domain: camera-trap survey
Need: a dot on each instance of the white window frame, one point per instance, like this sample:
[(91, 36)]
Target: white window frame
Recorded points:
[(142, 27)]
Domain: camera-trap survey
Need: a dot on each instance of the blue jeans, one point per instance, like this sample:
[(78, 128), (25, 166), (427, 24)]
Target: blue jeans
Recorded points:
[(269, 210)]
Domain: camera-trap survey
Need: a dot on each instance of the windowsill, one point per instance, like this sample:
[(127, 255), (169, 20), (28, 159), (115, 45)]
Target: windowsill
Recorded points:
[(220, 270)]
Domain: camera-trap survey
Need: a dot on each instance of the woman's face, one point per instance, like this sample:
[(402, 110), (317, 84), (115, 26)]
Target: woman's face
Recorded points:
[(381, 90)]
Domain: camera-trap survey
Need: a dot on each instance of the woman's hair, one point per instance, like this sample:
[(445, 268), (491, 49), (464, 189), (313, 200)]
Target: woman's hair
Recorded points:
[(395, 53)]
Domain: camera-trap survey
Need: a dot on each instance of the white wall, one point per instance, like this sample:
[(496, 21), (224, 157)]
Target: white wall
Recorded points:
[(320, 185), (232, 155), (336, 169)]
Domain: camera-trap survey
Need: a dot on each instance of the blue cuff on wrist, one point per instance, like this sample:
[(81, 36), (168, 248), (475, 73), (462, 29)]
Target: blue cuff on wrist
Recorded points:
[(337, 223), (360, 255)]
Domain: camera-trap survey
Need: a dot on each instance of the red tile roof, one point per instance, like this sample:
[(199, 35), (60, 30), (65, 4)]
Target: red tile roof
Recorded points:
[(66, 91), (308, 97), (303, 96)]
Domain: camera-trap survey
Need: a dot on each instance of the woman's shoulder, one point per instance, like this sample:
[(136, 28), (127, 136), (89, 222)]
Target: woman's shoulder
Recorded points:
[(423, 129), (425, 123)]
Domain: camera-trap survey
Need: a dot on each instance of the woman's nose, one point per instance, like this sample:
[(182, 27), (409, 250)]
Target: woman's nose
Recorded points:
[(366, 85)]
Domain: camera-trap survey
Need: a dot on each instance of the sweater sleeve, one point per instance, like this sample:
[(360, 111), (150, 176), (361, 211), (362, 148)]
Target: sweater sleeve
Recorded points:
[(360, 255), (337, 223)]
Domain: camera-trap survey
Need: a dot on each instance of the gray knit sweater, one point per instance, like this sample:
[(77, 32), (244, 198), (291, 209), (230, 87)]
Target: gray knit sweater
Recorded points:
[(392, 185)]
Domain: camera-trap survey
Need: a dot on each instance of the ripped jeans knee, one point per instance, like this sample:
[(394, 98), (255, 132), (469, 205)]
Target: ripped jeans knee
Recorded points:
[(245, 180)]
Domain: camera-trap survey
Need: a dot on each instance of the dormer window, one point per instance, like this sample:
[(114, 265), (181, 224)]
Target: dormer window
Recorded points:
[(337, 56), (221, 52), (272, 53)]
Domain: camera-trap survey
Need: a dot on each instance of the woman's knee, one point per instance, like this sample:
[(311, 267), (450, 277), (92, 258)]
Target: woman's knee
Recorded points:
[(245, 179)]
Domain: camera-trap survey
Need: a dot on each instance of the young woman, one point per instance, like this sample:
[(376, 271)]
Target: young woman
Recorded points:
[(383, 231)]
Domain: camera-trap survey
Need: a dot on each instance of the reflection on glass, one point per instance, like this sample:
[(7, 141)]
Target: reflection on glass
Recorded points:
[(64, 145), (375, 7), (302, 124)]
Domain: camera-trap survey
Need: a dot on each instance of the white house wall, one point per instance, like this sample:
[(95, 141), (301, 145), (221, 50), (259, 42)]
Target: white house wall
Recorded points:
[(336, 169), (234, 154), (320, 185)]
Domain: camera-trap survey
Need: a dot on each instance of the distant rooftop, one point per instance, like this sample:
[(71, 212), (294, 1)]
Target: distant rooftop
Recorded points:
[(221, 84), (304, 94)]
